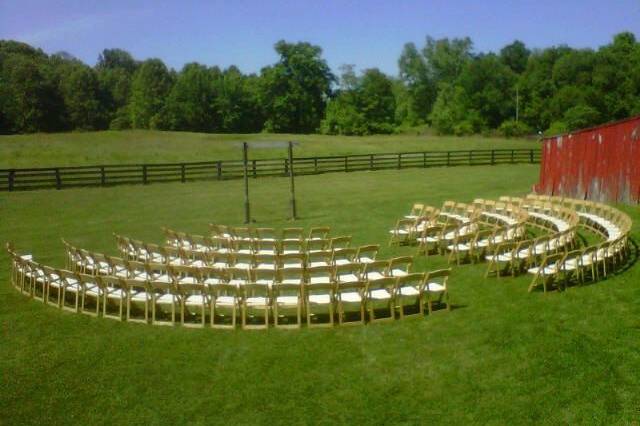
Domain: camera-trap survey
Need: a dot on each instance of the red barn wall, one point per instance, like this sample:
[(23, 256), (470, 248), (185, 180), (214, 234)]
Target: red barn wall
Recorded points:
[(601, 163)]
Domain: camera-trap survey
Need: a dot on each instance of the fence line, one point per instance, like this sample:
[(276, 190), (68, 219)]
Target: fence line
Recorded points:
[(109, 175)]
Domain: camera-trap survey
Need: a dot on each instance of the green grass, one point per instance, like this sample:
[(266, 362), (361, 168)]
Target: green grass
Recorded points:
[(501, 356), (115, 147)]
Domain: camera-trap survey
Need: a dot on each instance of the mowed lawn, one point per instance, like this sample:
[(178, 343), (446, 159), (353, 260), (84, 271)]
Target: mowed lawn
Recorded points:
[(501, 356), (142, 146)]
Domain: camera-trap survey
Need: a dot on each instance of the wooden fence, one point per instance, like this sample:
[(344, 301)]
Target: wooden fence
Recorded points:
[(109, 175)]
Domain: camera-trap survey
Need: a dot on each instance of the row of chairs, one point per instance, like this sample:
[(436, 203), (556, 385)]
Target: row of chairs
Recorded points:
[(254, 233), (138, 249), (146, 252), (220, 304)]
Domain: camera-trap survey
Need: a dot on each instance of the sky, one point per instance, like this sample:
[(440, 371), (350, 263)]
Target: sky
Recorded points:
[(366, 34)]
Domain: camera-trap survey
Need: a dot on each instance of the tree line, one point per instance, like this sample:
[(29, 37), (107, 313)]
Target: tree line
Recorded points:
[(444, 84)]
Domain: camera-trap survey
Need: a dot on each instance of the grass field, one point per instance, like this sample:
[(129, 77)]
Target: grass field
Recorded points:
[(501, 356), (110, 147)]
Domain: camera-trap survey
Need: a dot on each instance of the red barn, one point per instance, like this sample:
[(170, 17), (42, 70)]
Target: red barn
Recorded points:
[(601, 163)]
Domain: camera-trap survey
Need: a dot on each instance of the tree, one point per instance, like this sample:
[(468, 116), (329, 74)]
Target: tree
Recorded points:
[(452, 112), (115, 69), (447, 58), (364, 105), (149, 88), (191, 104), (81, 93), (29, 100), (237, 102), (490, 89), (515, 56), (420, 87), (294, 91)]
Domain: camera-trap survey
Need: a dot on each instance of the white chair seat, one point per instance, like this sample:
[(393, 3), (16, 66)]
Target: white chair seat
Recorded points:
[(365, 260), (292, 281), (257, 301), (547, 270), (379, 294), (287, 300), (398, 272), (351, 297), (116, 293), (266, 266), (374, 275), (225, 301), (347, 278), (318, 263), (165, 299), (342, 262), (320, 280), (139, 297), (195, 299), (409, 291), (320, 299), (435, 287)]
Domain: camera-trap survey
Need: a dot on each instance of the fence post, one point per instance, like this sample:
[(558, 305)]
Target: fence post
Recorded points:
[(182, 177), (346, 163), (144, 174), (531, 156), (470, 156), (286, 167), (370, 161), (253, 167), (58, 180), (315, 164), (103, 177), (493, 157), (219, 169), (512, 159), (399, 160), (12, 176), (424, 159), (448, 158)]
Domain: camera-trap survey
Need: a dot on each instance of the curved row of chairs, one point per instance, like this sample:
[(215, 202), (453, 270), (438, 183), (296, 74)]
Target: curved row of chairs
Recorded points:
[(210, 296), (536, 234), (243, 258)]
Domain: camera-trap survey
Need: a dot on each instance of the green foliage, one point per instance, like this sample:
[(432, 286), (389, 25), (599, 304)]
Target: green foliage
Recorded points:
[(581, 116), (294, 90), (557, 127), (366, 105), (149, 88), (515, 56), (513, 128), (576, 87)]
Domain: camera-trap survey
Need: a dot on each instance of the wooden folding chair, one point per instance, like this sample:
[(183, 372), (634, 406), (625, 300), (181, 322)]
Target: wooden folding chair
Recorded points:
[(113, 293), (410, 288), (224, 305), (256, 301), (319, 302), (164, 300), (287, 298), (350, 298), (400, 266), (367, 254), (342, 242), (319, 233), (137, 294), (436, 288), (91, 294), (380, 296), (194, 301)]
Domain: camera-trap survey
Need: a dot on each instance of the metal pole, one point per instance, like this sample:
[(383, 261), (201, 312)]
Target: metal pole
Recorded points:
[(245, 161), (294, 216)]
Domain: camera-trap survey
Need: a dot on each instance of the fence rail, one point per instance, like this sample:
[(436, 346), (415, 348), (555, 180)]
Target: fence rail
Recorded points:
[(109, 175)]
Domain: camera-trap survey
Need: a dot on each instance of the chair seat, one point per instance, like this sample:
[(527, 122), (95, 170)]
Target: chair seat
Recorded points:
[(257, 301), (139, 297), (287, 300), (188, 280), (320, 299), (374, 275), (320, 280), (165, 299), (292, 281), (380, 294), (365, 259), (318, 263), (547, 270), (351, 297), (347, 278), (196, 299), (266, 266), (342, 262), (116, 293), (398, 272), (225, 301), (93, 290), (408, 291), (435, 287)]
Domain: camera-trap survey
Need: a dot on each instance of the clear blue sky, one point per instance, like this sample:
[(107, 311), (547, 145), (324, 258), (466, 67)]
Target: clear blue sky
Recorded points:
[(364, 33)]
